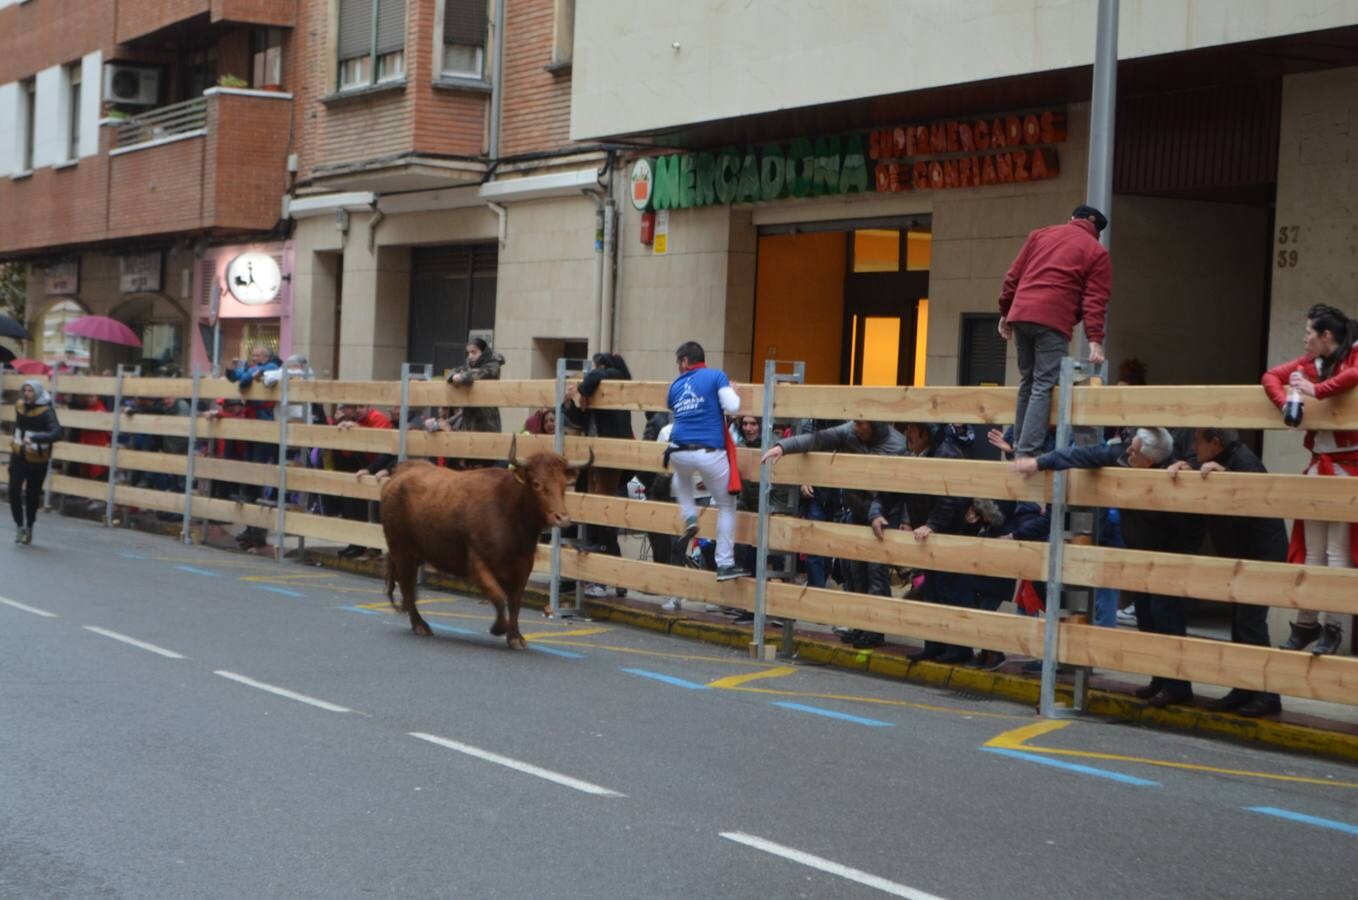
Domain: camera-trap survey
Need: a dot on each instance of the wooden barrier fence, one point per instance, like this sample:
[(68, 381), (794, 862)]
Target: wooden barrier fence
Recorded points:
[(1210, 578)]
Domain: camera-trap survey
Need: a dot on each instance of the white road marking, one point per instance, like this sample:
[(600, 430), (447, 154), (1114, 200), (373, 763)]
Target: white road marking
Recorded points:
[(134, 642), (28, 609), (282, 692), (826, 865), (526, 768)]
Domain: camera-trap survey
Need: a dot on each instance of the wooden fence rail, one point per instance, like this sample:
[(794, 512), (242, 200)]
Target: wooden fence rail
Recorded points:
[(1211, 578)]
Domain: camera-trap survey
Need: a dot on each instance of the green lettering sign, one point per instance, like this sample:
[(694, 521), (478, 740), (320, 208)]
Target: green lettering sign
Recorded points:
[(772, 170), (749, 177), (728, 175), (826, 180), (665, 193), (705, 191), (853, 174), (801, 168)]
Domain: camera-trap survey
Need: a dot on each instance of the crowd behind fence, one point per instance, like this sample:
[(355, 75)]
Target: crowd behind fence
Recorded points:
[(1075, 642)]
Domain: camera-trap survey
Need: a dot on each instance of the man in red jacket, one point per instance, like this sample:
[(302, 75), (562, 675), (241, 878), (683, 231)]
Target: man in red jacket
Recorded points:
[(1060, 277)]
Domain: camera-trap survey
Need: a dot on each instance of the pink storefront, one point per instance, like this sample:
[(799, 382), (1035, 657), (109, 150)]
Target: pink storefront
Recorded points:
[(242, 297)]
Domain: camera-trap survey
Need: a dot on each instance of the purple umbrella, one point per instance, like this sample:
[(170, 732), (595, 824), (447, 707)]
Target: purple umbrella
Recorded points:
[(102, 328)]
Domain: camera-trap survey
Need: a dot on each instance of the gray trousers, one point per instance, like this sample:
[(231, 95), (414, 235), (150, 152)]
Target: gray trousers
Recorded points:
[(1040, 350)]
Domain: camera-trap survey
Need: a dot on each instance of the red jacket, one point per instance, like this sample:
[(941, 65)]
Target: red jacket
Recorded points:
[(1060, 277), (1344, 378)]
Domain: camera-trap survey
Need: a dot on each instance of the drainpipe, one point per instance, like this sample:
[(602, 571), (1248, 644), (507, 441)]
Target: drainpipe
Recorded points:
[(503, 215), (600, 218), (497, 85)]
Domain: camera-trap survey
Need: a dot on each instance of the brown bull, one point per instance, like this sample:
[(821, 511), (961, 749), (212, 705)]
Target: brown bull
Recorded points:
[(482, 524)]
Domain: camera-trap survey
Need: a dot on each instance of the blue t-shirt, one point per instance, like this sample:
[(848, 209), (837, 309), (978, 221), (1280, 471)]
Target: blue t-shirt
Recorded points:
[(698, 418)]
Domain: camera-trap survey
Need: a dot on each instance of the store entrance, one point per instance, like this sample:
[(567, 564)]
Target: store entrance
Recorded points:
[(850, 299)]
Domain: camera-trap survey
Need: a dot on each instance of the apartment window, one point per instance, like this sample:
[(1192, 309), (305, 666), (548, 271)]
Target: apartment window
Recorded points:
[(266, 57), (28, 109), (372, 37), (73, 114), (464, 38), (563, 37)]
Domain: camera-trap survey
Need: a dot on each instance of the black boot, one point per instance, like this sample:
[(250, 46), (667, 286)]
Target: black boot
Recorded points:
[(1301, 636), (931, 650), (1232, 701), (1261, 705), (1150, 690), (1330, 639)]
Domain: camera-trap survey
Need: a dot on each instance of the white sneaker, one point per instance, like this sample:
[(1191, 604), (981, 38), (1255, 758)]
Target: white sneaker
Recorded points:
[(596, 590), (674, 604), (1127, 616)]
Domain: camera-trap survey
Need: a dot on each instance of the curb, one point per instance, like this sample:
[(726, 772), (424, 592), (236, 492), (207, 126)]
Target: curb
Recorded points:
[(1105, 704)]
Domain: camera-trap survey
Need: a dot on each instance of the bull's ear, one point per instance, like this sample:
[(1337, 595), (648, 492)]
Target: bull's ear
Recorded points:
[(513, 446)]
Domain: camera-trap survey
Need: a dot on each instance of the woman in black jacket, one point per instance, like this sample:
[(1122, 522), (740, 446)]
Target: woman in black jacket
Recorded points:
[(35, 428)]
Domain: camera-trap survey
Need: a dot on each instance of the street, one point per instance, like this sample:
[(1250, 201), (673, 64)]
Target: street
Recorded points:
[(183, 722)]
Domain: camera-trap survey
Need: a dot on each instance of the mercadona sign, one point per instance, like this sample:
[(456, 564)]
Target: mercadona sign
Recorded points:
[(925, 156)]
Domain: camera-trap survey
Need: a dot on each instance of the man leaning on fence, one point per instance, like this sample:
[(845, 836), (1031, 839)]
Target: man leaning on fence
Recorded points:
[(1239, 537), (1143, 529), (1061, 276)]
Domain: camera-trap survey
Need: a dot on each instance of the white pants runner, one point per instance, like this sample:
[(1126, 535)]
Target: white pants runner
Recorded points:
[(712, 468)]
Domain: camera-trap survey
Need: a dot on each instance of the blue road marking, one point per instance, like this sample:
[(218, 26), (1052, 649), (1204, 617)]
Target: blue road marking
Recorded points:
[(832, 714), (453, 629), (667, 679), (194, 570), (1073, 767), (553, 651), (126, 555), (360, 610), (1344, 827), (278, 590)]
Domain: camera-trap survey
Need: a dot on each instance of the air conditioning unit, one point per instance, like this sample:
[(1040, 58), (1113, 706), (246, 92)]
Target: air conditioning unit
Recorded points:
[(132, 85)]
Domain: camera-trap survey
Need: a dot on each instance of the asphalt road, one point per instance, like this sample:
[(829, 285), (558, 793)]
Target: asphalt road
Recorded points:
[(182, 722)]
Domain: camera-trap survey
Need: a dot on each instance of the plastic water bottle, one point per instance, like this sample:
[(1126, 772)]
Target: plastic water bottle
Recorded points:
[(635, 490), (1292, 409)]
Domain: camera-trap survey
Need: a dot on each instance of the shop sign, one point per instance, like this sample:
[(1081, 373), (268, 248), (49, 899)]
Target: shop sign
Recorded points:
[(139, 272), (62, 277), (661, 244), (924, 156)]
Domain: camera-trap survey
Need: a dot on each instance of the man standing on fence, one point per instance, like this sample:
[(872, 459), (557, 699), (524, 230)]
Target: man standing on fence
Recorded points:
[(1061, 276), (700, 399)]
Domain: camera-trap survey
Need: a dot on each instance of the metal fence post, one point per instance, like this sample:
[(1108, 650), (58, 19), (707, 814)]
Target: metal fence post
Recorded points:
[(761, 552), (1056, 552), (409, 371), (280, 522), (115, 434), (47, 483), (186, 532), (559, 447), (787, 648)]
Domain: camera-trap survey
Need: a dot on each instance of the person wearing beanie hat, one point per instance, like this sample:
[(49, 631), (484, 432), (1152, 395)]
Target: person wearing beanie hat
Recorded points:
[(1061, 276)]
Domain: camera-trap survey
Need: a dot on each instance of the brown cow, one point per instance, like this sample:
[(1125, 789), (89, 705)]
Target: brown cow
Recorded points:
[(482, 524)]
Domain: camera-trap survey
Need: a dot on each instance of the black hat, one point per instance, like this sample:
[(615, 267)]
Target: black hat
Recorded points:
[(1084, 212)]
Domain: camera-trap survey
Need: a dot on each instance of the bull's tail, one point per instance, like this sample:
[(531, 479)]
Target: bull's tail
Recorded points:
[(391, 582)]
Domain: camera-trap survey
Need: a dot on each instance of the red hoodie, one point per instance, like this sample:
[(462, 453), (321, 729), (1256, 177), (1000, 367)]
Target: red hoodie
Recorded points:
[(1060, 277)]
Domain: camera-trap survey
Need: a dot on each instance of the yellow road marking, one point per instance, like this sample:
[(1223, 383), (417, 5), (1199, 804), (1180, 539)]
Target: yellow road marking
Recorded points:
[(1017, 740), (733, 661), (579, 632), (734, 681)]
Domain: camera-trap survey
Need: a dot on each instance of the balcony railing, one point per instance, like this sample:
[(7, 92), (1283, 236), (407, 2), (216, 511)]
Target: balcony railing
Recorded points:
[(173, 121)]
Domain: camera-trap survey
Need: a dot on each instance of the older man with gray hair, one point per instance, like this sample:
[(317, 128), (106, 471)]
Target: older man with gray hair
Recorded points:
[(1143, 529)]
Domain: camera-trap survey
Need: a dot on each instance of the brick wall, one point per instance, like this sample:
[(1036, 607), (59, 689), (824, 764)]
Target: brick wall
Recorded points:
[(36, 36), (245, 169), (256, 12), (54, 206), (157, 190), (137, 18), (537, 104)]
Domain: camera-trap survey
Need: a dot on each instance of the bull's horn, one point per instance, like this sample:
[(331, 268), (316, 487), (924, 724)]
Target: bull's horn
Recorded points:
[(513, 445), (581, 464)]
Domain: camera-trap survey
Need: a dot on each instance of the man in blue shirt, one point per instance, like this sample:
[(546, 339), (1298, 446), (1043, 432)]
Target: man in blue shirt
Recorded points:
[(700, 399)]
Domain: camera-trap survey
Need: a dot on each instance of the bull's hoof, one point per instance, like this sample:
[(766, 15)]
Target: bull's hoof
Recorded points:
[(422, 629), (499, 628), (516, 642)]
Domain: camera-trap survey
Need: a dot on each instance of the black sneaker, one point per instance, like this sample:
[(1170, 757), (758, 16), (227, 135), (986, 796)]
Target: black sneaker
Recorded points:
[(864, 640), (730, 573), (1234, 700), (1330, 639), (682, 542), (1261, 705), (1302, 636)]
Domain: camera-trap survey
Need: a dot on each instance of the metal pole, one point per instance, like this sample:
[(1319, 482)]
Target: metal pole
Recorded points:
[(761, 552), (1056, 552), (47, 484), (186, 533), (409, 372), (217, 348), (787, 649), (116, 433), (280, 526), (1102, 116), (558, 446)]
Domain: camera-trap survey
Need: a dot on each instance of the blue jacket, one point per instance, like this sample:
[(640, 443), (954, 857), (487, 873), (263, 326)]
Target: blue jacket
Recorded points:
[(245, 374), (698, 417)]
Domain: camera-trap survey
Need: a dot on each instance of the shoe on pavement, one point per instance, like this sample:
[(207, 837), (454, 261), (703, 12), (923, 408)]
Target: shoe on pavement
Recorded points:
[(1232, 701), (956, 656), (25, 536), (1302, 636), (743, 617), (1149, 691), (926, 653), (713, 607), (864, 640), (1261, 705), (1330, 639), (673, 605), (1127, 615), (682, 542), (597, 591), (1170, 697), (989, 660), (730, 573), (845, 635)]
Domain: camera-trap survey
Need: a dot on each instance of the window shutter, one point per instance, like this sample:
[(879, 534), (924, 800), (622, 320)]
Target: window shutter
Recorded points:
[(465, 22), (391, 26), (355, 28)]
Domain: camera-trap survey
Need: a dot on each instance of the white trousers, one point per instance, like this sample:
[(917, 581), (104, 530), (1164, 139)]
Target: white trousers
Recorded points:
[(712, 468), (1327, 544)]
